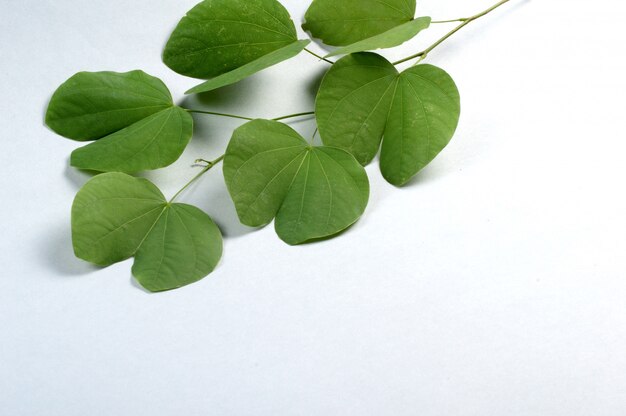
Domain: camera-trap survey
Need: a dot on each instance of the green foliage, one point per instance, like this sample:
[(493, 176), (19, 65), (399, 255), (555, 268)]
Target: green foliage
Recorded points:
[(364, 105), (116, 216), (344, 22), (251, 68), (313, 192), (91, 105), (131, 115), (364, 97), (393, 37), (230, 40)]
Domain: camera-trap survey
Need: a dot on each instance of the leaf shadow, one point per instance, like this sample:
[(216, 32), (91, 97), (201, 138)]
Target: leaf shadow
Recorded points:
[(77, 177), (56, 252), (313, 85), (228, 96)]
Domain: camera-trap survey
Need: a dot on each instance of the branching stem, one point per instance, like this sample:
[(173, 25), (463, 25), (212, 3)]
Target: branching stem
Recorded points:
[(465, 22), (208, 167)]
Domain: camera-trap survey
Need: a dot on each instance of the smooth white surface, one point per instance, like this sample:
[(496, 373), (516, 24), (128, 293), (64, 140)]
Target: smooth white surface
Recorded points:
[(495, 284)]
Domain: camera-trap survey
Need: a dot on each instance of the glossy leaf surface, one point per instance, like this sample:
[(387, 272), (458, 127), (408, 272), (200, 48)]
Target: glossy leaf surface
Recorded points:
[(312, 192), (344, 22), (389, 39), (91, 105), (363, 97), (219, 36), (116, 216)]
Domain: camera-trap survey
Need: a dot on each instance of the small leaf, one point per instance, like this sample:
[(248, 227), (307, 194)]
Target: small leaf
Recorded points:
[(91, 105), (220, 36), (116, 216), (251, 68), (152, 143), (389, 39), (363, 97), (313, 192), (344, 22)]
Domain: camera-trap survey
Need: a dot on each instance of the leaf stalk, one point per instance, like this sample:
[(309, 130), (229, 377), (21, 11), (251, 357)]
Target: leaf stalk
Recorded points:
[(207, 168), (464, 22)]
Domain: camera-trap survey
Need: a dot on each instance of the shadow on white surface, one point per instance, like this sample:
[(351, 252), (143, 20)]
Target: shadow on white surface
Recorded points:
[(56, 253)]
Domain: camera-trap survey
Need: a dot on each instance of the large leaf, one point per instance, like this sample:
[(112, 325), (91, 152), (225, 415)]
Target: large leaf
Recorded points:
[(91, 105), (353, 103), (131, 115), (312, 192), (151, 143), (251, 68), (344, 22), (393, 37), (220, 36), (363, 97), (116, 216)]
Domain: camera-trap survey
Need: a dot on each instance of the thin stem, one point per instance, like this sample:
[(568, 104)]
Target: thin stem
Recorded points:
[(308, 113), (321, 58), (462, 19), (212, 113), (465, 22), (207, 168)]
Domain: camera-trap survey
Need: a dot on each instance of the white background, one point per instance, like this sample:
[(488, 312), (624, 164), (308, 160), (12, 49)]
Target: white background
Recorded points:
[(494, 284)]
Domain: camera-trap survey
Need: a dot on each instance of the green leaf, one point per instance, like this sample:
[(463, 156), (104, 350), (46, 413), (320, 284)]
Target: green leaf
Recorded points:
[(393, 37), (131, 115), (91, 105), (423, 118), (154, 142), (116, 216), (344, 22), (312, 192), (363, 97), (219, 36), (251, 68), (353, 103)]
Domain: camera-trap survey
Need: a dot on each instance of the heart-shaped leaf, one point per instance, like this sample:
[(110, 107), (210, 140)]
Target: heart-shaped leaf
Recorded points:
[(344, 22), (116, 216), (220, 36), (363, 97), (313, 192), (132, 116), (389, 39)]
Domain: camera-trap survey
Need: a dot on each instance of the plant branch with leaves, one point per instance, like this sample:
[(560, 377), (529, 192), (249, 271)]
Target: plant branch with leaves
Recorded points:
[(364, 106)]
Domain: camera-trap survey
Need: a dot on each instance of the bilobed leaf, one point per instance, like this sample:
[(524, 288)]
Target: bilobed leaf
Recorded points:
[(151, 143), (363, 97), (220, 36), (131, 115), (91, 105), (353, 103), (116, 216), (393, 37), (251, 68), (312, 192), (344, 22)]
